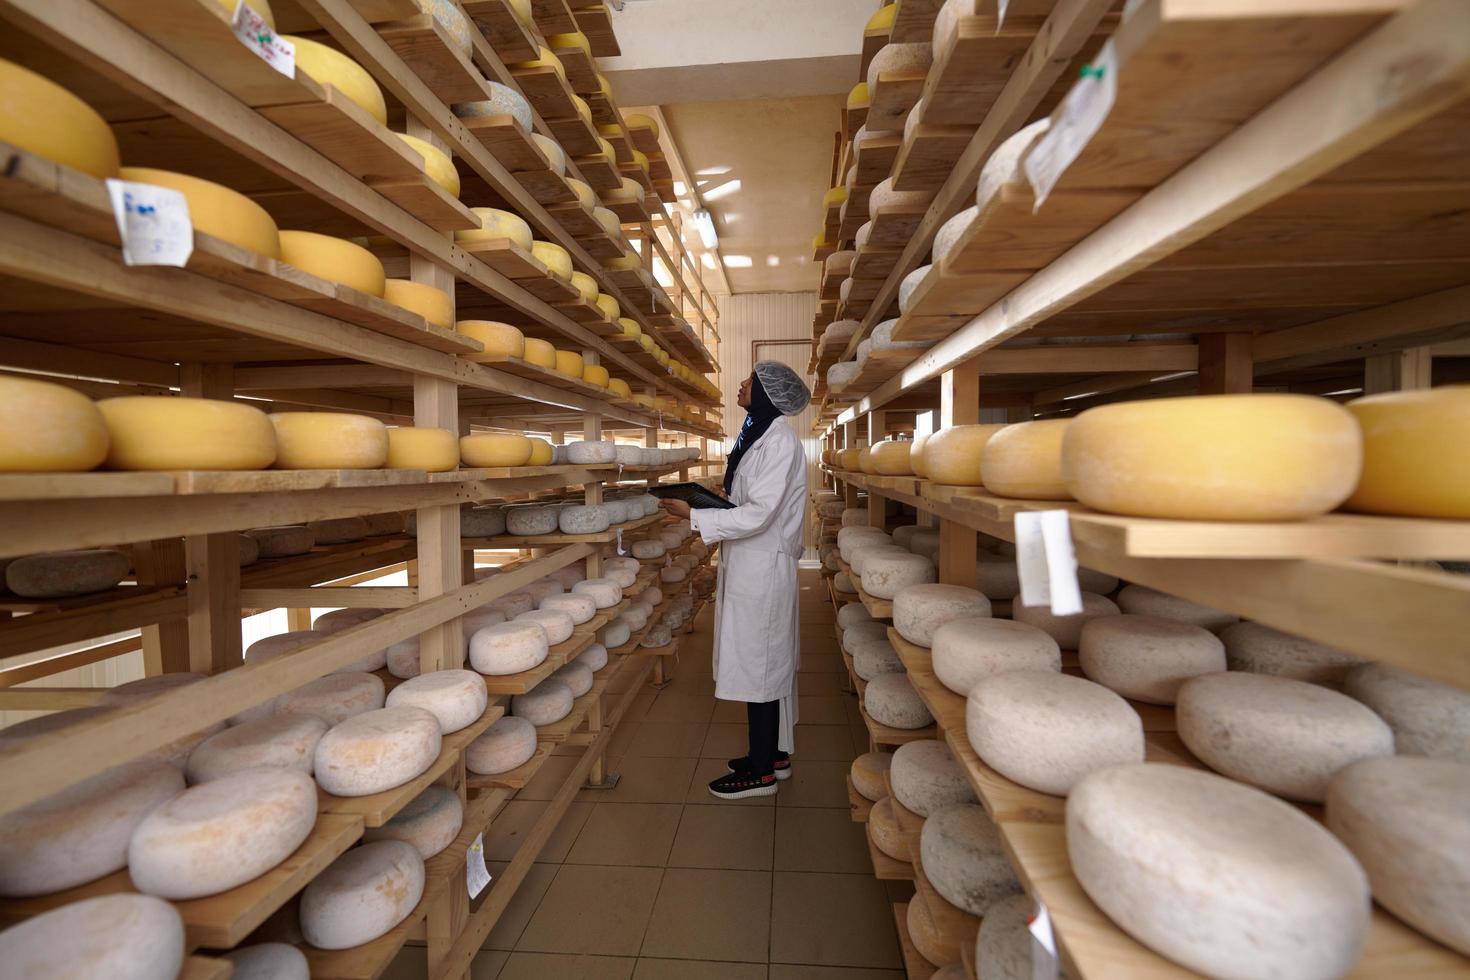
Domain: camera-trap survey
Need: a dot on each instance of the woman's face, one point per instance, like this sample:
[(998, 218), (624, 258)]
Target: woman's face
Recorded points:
[(743, 397)]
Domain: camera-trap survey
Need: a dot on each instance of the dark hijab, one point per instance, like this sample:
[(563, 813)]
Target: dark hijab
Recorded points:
[(758, 418)]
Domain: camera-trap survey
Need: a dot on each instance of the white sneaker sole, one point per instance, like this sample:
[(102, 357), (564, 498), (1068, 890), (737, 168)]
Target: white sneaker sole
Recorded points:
[(767, 790), (781, 774)]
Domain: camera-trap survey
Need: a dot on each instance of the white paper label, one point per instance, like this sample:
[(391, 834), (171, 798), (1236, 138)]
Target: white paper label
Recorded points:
[(1074, 123), (620, 542), (1000, 13), (153, 223), (1043, 945), (477, 876), (258, 36), (1046, 563)]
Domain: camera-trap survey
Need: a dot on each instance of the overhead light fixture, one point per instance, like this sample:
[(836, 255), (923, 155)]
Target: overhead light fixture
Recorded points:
[(705, 225)]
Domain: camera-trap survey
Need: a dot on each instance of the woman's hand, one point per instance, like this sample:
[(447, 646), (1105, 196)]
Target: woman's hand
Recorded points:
[(676, 507), (720, 492)]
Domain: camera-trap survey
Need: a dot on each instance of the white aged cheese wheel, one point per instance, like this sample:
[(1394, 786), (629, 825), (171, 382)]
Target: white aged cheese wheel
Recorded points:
[(1046, 730), (216, 210), (495, 224), (1025, 461), (377, 750), (507, 744), (429, 822), (1259, 649), (268, 961), (616, 633), (334, 698), (478, 619), (873, 546), (1214, 457), (856, 516), (557, 624), (594, 658), (340, 530), (333, 259), (897, 58), (871, 657), (660, 635), (337, 620), (885, 832), (268, 648), (850, 538), (513, 605), (1146, 658), (429, 302), (499, 339), (867, 774), (1287, 737), (925, 541), (1216, 876), (948, 235), (1066, 630), (403, 659), (481, 522), (494, 449), (964, 859), (924, 933), (648, 548), (149, 433), (328, 66), (329, 441), (926, 778), (65, 573), (672, 574), (1407, 821), (283, 542), (544, 588), (1144, 601), (998, 577), (1004, 946), (865, 630), (362, 895), (885, 575), (545, 704), (526, 521), (81, 833), (972, 648), (455, 697), (604, 591), (577, 677), (222, 833), (381, 524), (1427, 717), (671, 538), (43, 118), (119, 937), (49, 428), (287, 741), (1406, 469), (578, 607), (843, 584), (583, 519), (591, 451), (854, 613)]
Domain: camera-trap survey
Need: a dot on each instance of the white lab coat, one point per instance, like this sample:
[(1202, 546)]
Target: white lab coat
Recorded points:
[(756, 643)]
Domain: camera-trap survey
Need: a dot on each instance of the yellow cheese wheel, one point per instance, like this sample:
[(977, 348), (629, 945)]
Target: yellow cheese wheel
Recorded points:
[(847, 459), (1416, 453), (595, 374), (605, 148), (608, 130), (834, 195), (496, 225), (865, 459), (952, 455), (329, 441), (495, 449), (261, 7), (583, 109), (585, 285), (414, 448), (662, 356), (631, 186), (603, 85), (540, 352), (576, 40), (641, 159), (555, 155), (646, 400), (328, 66), (630, 327), (333, 259), (216, 210), (541, 453), (609, 306), (859, 98), (149, 433), (609, 221), (916, 456), (43, 118), (623, 263), (569, 362), (48, 428), (1025, 460), (499, 338), (434, 305), (554, 257), (646, 342), (883, 19), (545, 59), (619, 387), (891, 458), (585, 197), (638, 120), (1212, 457), (437, 164)]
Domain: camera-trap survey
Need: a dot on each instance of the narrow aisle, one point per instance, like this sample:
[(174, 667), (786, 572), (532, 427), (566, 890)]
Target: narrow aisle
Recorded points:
[(657, 880)]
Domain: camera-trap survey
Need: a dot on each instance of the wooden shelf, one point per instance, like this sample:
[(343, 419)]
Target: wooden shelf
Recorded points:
[(886, 868), (425, 46), (595, 22), (514, 779), (552, 540), (561, 731), (370, 960), (956, 927), (915, 966), (513, 41)]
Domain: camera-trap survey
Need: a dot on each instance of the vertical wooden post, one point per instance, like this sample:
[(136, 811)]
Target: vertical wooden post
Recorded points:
[(1225, 363), (959, 404), (924, 426), (212, 561), (877, 504), (1400, 370), (166, 644), (440, 563), (849, 441), (592, 492)]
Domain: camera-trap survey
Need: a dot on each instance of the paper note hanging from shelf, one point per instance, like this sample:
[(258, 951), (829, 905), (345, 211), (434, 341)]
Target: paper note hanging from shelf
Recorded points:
[(1046, 562), (477, 876), (1043, 945), (153, 223), (259, 37), (1073, 125)]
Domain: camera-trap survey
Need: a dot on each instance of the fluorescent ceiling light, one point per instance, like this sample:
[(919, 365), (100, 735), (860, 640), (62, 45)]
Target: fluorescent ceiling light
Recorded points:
[(738, 261), (705, 225)]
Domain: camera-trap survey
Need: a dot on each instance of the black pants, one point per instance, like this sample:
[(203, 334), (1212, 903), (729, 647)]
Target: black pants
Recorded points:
[(764, 719)]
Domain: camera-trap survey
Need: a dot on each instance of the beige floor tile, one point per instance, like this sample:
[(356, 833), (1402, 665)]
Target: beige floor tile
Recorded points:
[(832, 920), (813, 839), (519, 817), (512, 921), (823, 742), (565, 966), (822, 685), (726, 742), (589, 909), (667, 741), (788, 972), (548, 779), (694, 685), (854, 714), (487, 964), (715, 915), (561, 839), (702, 969), (729, 713), (645, 780), (813, 709), (672, 708), (815, 782), (822, 663), (627, 834), (622, 737), (708, 770), (640, 706), (724, 837)]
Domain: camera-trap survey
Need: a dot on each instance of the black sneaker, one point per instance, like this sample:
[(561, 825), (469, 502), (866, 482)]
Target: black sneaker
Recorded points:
[(742, 764), (738, 785)]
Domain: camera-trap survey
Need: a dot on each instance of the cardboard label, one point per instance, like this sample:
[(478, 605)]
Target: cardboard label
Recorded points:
[(1046, 563), (153, 223), (1043, 945), (261, 38), (1073, 124), (477, 876)]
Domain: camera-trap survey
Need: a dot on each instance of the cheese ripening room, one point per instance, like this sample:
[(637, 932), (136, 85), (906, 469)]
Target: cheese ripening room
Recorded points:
[(671, 489)]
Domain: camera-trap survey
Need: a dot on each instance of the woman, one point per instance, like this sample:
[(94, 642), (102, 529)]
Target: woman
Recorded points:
[(756, 651)]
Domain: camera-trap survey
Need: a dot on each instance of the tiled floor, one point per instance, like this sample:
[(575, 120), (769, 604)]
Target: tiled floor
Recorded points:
[(658, 880)]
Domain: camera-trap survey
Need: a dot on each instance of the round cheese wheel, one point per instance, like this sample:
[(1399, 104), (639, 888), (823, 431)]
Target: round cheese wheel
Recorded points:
[(924, 933), (620, 388), (594, 658), (556, 624), (1047, 730), (65, 573), (604, 591), (849, 537), (556, 157), (963, 858), (1214, 875), (493, 449), (334, 698), (329, 441), (569, 362), (858, 634), (43, 118), (579, 608), (507, 744), (382, 524), (1144, 601), (583, 519), (430, 822), (1025, 461), (283, 542), (893, 58), (891, 457), (222, 833), (437, 164), (269, 648), (340, 530), (1066, 630), (585, 285), (121, 937), (362, 895), (414, 448), (403, 658), (495, 224), (333, 259), (659, 635), (49, 428), (429, 302), (949, 233), (545, 704), (541, 453), (872, 657), (851, 615), (509, 648), (841, 583), (328, 66), (885, 575), (1146, 658), (268, 961), (499, 339), (1427, 717), (885, 832), (969, 649), (1259, 649), (287, 741), (596, 374), (1405, 467), (216, 210), (925, 541), (338, 620), (1004, 946), (554, 257), (513, 605), (540, 353), (1288, 737), (456, 697), (872, 547), (591, 451), (926, 778), (377, 750), (616, 633), (891, 700), (1407, 821), (577, 677), (867, 773)]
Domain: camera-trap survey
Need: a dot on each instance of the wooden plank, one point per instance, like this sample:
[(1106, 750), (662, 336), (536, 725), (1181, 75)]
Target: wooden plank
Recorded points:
[(596, 23), (425, 46), (893, 95), (513, 41), (553, 16), (514, 779), (913, 22), (915, 966), (886, 868), (558, 656)]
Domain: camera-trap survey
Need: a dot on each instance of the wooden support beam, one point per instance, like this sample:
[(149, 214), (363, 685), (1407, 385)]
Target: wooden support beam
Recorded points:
[(877, 505), (212, 561), (959, 404), (1225, 363), (1400, 370), (166, 643)]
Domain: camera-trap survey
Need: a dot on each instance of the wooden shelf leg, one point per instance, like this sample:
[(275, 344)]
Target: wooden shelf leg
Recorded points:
[(212, 561), (959, 404), (166, 644), (1225, 363), (877, 505)]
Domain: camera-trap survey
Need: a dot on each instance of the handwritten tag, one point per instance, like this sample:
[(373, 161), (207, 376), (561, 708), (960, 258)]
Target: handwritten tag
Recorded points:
[(1046, 562), (1073, 125), (620, 542), (477, 876), (1043, 945), (258, 36), (153, 222)]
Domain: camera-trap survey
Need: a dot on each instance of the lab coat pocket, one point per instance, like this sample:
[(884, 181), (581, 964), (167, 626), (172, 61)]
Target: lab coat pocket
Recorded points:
[(747, 571)]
